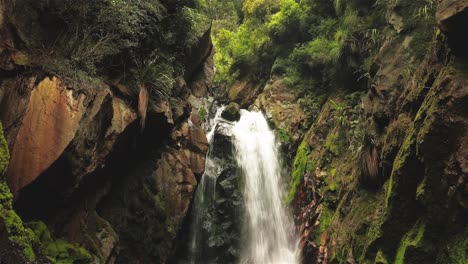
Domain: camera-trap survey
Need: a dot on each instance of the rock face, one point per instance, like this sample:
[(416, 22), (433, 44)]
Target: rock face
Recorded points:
[(52, 118), (412, 131), (280, 104), (216, 217), (108, 191), (451, 17), (56, 117), (243, 93)]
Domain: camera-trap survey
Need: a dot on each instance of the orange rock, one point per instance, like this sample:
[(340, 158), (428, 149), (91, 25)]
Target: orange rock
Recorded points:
[(52, 118)]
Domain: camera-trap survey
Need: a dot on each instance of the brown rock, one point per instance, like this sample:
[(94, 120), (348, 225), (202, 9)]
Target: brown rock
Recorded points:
[(197, 139), (204, 78), (452, 17), (447, 9), (88, 228), (51, 121), (173, 180), (243, 93), (280, 105)]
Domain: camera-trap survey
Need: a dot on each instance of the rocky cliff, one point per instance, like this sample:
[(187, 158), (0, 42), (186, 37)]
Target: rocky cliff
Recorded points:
[(383, 179), (378, 172), (86, 182)]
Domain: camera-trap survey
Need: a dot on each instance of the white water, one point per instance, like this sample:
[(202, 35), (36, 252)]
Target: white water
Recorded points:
[(270, 232), (204, 196)]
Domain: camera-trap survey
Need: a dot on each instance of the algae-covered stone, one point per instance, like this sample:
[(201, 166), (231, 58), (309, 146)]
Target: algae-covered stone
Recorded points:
[(232, 112)]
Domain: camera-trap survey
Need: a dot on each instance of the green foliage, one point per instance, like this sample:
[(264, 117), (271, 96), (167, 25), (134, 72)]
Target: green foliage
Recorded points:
[(156, 74), (326, 218), (300, 167), (311, 104), (340, 111), (202, 113), (111, 38), (283, 135)]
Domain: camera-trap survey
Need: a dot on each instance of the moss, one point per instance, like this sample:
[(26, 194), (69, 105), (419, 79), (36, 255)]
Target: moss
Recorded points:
[(202, 113), (412, 239), (58, 251), (334, 142), (283, 135), (380, 258), (300, 167), (455, 250), (399, 161), (421, 189), (325, 220), (4, 153), (62, 252), (17, 233)]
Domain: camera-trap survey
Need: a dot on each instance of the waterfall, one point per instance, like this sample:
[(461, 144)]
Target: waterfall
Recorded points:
[(269, 230), (238, 213), (204, 196)]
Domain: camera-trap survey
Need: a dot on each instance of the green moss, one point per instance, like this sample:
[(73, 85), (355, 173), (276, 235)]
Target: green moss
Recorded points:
[(380, 258), (399, 161), (300, 167), (411, 239), (4, 153), (202, 113), (283, 135), (17, 233), (326, 219), (58, 251), (334, 143), (62, 252), (455, 250)]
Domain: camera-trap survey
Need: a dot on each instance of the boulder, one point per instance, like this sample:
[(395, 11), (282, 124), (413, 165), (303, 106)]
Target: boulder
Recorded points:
[(231, 112), (243, 93)]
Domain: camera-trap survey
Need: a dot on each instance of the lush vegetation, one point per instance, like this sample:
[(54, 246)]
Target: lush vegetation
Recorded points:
[(316, 46), (298, 39), (132, 42)]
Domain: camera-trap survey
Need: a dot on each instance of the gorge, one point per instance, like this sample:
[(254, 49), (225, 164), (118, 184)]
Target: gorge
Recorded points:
[(233, 131)]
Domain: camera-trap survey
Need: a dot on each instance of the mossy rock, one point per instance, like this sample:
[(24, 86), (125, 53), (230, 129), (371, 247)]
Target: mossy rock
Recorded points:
[(4, 152), (231, 112), (58, 251), (18, 234)]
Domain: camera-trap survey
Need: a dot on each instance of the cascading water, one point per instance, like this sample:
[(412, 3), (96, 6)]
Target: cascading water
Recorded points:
[(204, 196), (270, 231), (238, 214)]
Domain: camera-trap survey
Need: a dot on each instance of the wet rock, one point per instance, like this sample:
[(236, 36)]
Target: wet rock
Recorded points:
[(452, 17), (231, 112), (244, 93), (280, 104)]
